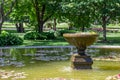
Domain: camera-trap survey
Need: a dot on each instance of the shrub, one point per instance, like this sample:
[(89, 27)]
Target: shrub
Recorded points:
[(61, 32), (41, 37), (50, 35), (32, 35), (8, 39), (57, 34)]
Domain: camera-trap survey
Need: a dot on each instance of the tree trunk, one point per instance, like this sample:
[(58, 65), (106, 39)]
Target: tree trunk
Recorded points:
[(19, 27), (41, 17), (40, 29), (54, 25), (83, 29), (104, 28), (1, 21), (0, 28), (1, 16), (38, 15), (104, 22)]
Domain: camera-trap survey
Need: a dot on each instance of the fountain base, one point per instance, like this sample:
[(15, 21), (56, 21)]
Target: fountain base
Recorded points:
[(81, 62)]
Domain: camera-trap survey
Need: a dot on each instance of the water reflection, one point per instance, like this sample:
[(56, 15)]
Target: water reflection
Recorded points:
[(111, 53), (20, 56), (42, 63)]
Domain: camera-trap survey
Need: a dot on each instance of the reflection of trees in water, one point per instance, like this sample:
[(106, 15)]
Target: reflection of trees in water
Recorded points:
[(104, 52), (20, 56), (15, 56)]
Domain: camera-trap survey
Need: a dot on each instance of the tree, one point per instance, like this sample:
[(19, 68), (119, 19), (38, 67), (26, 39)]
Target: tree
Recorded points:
[(106, 10), (44, 10), (6, 7), (20, 15), (79, 13)]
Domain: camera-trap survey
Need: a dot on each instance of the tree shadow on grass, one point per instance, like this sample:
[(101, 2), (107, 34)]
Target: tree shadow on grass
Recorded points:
[(47, 43), (110, 41)]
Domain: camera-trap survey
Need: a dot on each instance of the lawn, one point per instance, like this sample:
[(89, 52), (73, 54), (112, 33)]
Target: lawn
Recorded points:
[(45, 43), (113, 38)]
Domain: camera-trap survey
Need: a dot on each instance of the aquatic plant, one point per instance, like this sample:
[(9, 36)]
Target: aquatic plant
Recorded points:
[(114, 77), (57, 78), (12, 75)]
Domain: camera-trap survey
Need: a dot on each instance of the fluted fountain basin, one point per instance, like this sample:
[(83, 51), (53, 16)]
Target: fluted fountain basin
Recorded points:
[(80, 39)]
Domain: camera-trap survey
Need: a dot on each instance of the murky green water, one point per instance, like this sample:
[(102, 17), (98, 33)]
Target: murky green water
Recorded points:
[(39, 70), (61, 69)]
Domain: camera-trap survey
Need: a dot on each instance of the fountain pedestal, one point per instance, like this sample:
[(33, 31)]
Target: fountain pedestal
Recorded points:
[(81, 62), (81, 41)]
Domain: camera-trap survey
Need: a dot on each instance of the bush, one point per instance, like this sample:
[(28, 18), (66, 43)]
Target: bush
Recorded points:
[(50, 35), (32, 35), (7, 39), (61, 32)]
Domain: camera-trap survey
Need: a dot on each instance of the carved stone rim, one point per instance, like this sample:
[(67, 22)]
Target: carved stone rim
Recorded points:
[(81, 34)]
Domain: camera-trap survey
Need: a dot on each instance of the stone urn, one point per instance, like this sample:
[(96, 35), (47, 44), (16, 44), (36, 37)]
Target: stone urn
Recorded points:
[(81, 40)]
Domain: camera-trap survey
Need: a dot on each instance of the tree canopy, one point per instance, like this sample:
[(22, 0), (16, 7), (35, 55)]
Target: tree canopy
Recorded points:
[(6, 7), (81, 13), (105, 11)]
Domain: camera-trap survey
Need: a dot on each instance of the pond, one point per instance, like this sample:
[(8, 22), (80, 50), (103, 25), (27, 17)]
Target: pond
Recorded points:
[(54, 64), (61, 69)]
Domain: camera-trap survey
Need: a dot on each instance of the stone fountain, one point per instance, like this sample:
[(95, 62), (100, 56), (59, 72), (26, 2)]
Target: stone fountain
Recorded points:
[(81, 41)]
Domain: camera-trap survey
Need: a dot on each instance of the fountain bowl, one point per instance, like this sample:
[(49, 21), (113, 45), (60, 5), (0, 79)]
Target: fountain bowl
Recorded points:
[(80, 39)]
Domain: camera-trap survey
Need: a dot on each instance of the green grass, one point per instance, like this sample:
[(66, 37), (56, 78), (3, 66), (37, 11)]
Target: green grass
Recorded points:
[(56, 42), (45, 43), (62, 25), (8, 25), (113, 38), (113, 26)]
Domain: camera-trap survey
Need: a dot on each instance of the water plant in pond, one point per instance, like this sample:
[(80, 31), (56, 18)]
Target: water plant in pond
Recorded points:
[(115, 77), (12, 75), (57, 78)]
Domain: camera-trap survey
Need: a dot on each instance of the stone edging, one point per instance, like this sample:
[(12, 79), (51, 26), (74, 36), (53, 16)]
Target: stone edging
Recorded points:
[(93, 46)]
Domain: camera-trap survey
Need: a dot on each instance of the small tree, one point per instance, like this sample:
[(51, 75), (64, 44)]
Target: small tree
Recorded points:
[(106, 10), (6, 7), (44, 10), (79, 13), (20, 15)]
